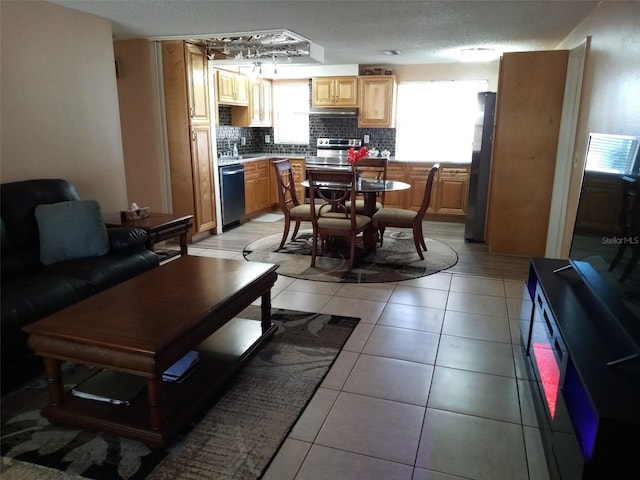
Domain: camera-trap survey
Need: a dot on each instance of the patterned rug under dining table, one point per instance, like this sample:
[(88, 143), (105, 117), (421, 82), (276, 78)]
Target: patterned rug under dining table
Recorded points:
[(370, 189)]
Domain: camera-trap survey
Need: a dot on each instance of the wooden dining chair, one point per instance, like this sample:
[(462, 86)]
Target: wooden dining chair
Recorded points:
[(402, 218), (293, 210), (374, 168), (330, 215)]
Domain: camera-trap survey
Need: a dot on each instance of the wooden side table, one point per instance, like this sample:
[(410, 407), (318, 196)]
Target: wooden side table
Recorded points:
[(159, 227)]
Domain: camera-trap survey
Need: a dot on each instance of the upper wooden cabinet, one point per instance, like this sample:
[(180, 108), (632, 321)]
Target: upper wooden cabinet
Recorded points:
[(376, 101), (233, 88), (259, 111), (197, 84), (334, 92)]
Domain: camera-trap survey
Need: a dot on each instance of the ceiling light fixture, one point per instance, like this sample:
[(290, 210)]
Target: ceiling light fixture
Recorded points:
[(249, 47), (478, 54), (392, 52)]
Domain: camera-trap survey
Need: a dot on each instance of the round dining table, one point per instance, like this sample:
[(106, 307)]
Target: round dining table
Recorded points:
[(370, 188)]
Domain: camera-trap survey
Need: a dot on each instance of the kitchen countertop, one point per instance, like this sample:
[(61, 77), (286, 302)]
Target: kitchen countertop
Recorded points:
[(250, 157)]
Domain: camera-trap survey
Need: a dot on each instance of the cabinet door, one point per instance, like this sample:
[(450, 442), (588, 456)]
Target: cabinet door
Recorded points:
[(242, 89), (255, 104), (377, 95), (346, 91), (202, 168), (233, 88), (250, 188), (263, 191), (226, 87), (299, 174), (453, 189), (197, 84), (322, 92), (395, 199), (266, 116), (417, 178)]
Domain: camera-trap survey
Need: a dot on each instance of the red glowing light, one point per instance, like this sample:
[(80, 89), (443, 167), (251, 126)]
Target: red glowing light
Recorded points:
[(549, 374)]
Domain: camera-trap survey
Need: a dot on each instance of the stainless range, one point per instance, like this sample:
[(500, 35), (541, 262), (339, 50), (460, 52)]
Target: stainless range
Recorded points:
[(332, 153)]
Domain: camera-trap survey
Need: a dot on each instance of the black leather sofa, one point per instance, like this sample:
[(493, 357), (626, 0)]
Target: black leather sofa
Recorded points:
[(31, 290)]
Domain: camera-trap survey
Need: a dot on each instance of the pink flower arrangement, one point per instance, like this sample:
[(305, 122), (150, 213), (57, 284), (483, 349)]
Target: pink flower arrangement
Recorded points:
[(355, 155)]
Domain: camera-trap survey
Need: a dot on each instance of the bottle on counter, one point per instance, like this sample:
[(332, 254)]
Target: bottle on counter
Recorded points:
[(235, 149)]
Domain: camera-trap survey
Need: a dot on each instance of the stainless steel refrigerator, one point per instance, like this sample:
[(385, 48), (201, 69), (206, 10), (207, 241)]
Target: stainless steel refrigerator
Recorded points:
[(480, 168)]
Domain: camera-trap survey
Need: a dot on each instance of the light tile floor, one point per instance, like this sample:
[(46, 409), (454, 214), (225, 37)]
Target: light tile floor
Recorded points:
[(431, 385)]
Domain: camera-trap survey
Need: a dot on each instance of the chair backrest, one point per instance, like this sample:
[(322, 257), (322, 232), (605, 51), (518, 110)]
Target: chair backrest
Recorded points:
[(373, 167), (426, 199), (329, 190), (286, 184)]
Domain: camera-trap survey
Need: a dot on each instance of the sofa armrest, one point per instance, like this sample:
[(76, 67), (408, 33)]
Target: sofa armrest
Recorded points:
[(127, 239)]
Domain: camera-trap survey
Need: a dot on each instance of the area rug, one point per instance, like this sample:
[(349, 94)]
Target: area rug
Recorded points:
[(396, 260), (234, 440)]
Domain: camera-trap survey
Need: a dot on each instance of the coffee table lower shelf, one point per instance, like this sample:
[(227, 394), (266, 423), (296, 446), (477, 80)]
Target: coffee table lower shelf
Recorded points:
[(222, 355)]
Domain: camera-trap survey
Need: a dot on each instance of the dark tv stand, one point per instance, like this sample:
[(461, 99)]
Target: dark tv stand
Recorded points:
[(611, 303), (583, 355)]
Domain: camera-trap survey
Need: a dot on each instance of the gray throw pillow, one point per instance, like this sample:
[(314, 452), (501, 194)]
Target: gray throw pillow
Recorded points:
[(70, 230)]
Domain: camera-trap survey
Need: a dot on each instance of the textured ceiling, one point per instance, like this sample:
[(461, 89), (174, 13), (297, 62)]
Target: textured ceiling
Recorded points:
[(356, 32)]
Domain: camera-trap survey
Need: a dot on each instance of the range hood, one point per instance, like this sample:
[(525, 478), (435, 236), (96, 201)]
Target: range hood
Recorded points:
[(334, 112)]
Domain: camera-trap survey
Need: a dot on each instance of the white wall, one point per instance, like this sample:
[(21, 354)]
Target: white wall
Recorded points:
[(449, 71), (141, 124), (59, 100), (611, 88)]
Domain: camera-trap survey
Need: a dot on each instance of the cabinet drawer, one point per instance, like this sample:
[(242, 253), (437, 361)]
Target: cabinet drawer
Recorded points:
[(395, 171), (420, 169), (454, 172), (262, 166)]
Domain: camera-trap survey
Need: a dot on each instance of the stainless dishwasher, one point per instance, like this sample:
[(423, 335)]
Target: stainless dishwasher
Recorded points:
[(232, 194)]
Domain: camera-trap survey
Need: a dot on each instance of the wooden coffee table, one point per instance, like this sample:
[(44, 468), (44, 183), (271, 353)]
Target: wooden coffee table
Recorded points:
[(143, 326)]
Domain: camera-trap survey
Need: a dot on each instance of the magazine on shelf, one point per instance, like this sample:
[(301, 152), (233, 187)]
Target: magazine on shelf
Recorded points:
[(179, 370), (110, 386)]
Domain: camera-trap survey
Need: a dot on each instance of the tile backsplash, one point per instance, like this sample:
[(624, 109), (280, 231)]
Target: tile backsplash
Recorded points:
[(381, 138)]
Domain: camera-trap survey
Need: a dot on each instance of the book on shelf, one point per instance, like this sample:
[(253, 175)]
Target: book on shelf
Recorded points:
[(121, 388), (182, 368), (110, 386)]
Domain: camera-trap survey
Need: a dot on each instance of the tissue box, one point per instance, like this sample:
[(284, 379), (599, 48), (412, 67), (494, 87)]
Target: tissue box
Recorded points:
[(137, 214)]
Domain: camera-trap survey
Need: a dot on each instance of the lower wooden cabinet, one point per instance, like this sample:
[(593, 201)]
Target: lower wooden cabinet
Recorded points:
[(448, 197), (202, 171), (601, 194), (396, 171), (449, 193), (257, 186), (452, 190), (299, 174), (417, 174)]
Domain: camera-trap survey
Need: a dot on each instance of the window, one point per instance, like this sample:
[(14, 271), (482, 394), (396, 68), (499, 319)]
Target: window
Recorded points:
[(613, 154), (291, 111), (436, 120)]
